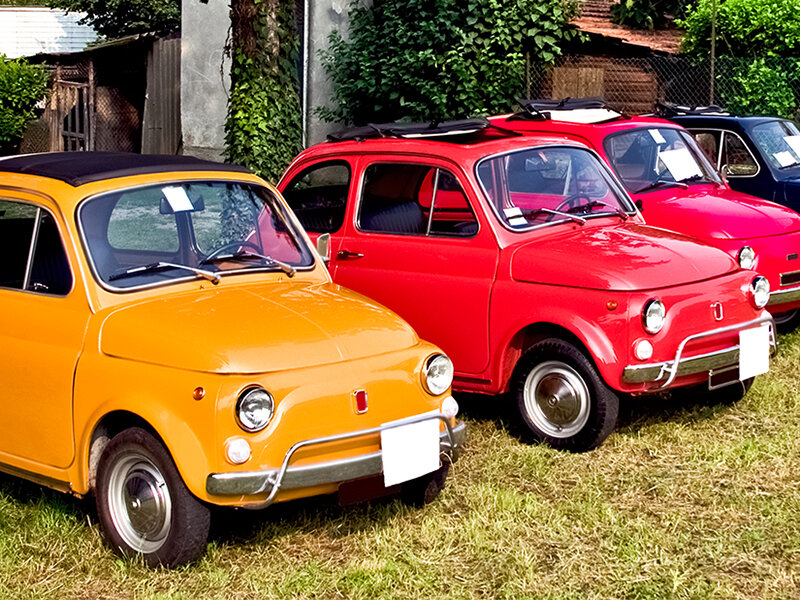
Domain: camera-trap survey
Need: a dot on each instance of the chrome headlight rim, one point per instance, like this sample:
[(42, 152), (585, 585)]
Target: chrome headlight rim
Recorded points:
[(432, 368), (651, 311), (746, 257), (249, 425), (759, 291)]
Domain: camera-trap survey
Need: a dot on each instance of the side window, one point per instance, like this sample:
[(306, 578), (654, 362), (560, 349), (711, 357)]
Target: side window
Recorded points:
[(16, 234), (318, 196), (416, 200), (50, 273), (137, 223), (738, 158), (709, 144), (27, 231)]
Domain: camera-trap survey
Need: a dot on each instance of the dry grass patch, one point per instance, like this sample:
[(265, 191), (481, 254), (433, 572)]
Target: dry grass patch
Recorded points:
[(684, 501)]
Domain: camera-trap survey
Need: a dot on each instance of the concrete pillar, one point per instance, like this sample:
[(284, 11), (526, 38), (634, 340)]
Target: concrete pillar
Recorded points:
[(324, 16), (205, 77)]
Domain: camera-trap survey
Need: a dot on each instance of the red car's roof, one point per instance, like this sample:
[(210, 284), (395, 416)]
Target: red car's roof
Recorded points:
[(471, 149)]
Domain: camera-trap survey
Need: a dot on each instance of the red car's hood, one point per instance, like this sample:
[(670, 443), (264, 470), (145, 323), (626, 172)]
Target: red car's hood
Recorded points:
[(625, 257), (708, 213)]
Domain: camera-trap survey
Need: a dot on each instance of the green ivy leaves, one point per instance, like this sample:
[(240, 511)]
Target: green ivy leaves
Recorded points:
[(22, 85), (425, 60)]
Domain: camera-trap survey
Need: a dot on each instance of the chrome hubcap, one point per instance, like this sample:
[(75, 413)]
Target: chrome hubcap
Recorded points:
[(557, 399), (139, 503)]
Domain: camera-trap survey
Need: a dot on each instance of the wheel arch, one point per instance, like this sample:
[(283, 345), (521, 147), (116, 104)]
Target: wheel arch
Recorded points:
[(525, 337)]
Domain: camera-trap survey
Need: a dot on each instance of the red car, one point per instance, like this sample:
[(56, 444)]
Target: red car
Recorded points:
[(676, 188), (523, 258)]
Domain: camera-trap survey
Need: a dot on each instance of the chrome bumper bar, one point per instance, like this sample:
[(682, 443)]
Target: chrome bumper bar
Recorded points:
[(782, 296), (680, 366), (251, 483)]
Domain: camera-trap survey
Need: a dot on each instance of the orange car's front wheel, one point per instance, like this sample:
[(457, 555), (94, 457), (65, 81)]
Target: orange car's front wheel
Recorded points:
[(143, 504)]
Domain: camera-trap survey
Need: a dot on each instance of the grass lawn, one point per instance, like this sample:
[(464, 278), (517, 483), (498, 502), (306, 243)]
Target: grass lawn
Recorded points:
[(682, 501)]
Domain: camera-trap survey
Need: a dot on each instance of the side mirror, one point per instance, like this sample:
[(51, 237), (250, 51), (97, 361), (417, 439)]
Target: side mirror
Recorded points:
[(724, 171), (324, 247)]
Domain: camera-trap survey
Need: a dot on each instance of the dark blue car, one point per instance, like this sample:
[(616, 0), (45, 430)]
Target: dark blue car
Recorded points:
[(759, 155)]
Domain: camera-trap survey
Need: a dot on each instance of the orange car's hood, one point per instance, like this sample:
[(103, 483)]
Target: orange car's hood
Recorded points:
[(254, 329)]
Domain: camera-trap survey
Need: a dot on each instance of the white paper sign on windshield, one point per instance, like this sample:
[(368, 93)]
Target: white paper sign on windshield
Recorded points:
[(680, 163), (785, 158), (794, 143), (657, 137), (177, 198)]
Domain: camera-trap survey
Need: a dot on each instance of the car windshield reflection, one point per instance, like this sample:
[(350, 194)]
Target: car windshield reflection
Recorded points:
[(545, 185), (154, 234), (650, 158)]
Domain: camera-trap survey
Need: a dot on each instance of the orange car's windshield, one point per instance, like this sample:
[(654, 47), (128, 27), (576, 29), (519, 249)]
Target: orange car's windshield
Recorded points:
[(153, 234)]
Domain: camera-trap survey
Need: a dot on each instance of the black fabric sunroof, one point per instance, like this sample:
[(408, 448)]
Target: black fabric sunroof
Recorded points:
[(78, 168), (411, 130)]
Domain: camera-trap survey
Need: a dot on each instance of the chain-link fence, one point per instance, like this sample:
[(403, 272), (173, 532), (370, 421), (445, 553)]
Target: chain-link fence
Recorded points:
[(743, 86)]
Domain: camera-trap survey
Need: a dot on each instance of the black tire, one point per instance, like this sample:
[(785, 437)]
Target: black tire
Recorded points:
[(786, 322), (424, 490), (561, 398), (143, 505)]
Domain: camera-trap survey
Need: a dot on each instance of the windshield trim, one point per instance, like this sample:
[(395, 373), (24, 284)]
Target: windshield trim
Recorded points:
[(715, 180), (300, 233), (632, 211)]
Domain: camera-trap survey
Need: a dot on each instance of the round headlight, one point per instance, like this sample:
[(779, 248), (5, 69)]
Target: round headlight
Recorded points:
[(653, 316), (254, 409), (437, 374), (747, 257), (760, 291)]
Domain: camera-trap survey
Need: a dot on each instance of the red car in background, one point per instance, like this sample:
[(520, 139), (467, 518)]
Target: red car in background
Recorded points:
[(676, 188), (524, 259)]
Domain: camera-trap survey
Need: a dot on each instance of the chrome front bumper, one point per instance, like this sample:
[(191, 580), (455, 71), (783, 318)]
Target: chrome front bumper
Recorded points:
[(680, 366), (251, 483), (783, 296)]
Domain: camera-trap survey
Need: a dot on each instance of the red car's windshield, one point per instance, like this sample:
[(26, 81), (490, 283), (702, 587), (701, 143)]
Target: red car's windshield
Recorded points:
[(535, 186)]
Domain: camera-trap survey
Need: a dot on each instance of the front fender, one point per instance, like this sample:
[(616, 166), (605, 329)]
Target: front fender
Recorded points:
[(159, 396), (527, 313)]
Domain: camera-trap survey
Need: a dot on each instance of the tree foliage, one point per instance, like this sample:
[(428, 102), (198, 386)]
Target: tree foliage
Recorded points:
[(22, 85), (745, 28), (439, 59), (644, 14), (117, 18), (263, 129)]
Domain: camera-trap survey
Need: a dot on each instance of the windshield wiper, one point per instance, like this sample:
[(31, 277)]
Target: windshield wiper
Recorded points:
[(660, 183), (157, 266), (249, 254), (532, 212), (585, 208)]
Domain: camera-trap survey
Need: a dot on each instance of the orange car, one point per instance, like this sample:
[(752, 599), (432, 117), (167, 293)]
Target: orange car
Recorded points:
[(170, 340)]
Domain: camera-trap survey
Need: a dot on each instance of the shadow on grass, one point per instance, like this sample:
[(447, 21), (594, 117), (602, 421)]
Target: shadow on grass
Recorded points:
[(311, 515), (682, 406)]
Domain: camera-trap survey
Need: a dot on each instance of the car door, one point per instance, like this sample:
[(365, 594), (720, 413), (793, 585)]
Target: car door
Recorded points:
[(43, 317), (728, 151), (413, 241)]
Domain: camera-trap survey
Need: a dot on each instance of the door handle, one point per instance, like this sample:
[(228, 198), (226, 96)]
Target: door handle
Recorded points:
[(347, 255)]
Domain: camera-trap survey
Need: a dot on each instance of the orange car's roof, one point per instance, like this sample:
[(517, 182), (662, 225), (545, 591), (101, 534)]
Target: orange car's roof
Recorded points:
[(79, 168)]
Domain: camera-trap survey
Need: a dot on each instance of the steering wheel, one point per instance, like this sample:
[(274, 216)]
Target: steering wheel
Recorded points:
[(229, 246), (571, 201)]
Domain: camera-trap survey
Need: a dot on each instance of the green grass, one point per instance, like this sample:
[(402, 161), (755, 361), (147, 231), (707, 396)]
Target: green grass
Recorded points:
[(683, 501)]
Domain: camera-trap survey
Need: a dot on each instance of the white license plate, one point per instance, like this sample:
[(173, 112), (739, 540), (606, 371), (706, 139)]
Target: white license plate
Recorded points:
[(409, 451), (753, 352)]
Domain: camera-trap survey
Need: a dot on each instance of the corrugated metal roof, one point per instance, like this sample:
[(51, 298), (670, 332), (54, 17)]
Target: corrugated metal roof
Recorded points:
[(29, 30)]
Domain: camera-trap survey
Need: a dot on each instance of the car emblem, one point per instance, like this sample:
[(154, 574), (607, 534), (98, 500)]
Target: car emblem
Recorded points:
[(717, 310), (361, 401)]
